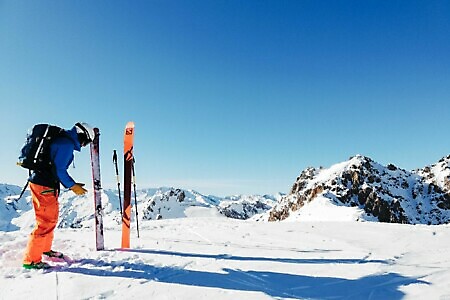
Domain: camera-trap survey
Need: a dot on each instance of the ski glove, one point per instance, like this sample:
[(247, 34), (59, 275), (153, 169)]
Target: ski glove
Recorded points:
[(78, 189)]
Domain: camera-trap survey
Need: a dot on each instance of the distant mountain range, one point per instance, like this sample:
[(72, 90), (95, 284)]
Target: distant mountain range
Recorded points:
[(359, 189), (153, 204)]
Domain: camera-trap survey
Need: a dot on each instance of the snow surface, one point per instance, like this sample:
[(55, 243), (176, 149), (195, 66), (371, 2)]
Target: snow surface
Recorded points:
[(203, 255), (323, 210)]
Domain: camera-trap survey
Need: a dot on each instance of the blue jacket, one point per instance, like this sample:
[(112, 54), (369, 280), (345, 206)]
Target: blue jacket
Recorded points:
[(61, 154)]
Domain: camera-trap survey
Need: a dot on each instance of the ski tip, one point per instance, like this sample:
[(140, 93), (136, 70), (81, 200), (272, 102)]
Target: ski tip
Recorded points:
[(130, 124)]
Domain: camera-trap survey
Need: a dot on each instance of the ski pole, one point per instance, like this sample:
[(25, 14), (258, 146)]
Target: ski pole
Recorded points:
[(118, 181), (135, 200)]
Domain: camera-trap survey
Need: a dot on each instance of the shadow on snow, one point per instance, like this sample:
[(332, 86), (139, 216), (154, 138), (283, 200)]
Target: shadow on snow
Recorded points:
[(270, 259), (382, 286)]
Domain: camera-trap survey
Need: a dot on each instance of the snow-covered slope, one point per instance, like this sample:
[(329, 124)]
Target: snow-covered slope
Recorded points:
[(222, 258), (367, 190)]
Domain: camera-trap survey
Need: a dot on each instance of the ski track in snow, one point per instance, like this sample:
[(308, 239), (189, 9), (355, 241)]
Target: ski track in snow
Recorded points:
[(206, 258)]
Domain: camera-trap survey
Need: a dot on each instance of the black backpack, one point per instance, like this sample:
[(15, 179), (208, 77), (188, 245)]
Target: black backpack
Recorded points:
[(35, 153)]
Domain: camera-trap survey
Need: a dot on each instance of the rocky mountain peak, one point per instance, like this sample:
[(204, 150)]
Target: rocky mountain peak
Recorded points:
[(388, 193), (438, 173)]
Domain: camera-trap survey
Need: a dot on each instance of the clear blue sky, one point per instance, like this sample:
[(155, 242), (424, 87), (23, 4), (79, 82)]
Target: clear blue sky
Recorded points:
[(229, 96)]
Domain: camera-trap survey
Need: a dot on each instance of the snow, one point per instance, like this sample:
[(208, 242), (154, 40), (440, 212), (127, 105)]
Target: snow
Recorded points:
[(322, 254), (219, 258), (323, 210), (201, 212)]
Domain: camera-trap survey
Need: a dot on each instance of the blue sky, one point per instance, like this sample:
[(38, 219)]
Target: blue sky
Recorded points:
[(229, 97)]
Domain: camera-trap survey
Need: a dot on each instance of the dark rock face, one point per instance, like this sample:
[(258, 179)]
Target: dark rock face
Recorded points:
[(388, 193)]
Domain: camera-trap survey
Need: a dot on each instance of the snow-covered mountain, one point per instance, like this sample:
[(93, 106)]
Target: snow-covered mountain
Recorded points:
[(357, 189), (368, 190), (152, 204), (245, 207), (437, 174)]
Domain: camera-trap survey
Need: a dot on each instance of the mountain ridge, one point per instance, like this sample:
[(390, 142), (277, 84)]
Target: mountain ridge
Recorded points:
[(388, 193), (358, 189)]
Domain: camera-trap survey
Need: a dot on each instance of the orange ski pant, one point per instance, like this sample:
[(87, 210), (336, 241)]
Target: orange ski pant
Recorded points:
[(46, 209)]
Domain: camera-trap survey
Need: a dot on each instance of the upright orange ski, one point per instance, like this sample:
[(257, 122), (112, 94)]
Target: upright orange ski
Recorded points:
[(127, 170)]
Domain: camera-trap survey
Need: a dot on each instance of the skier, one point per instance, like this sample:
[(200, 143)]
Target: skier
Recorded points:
[(44, 186)]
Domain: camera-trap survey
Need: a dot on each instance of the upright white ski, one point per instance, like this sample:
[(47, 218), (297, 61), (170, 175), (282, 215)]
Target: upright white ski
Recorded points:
[(98, 213)]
